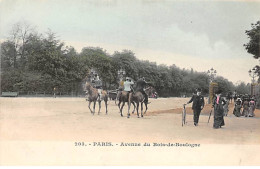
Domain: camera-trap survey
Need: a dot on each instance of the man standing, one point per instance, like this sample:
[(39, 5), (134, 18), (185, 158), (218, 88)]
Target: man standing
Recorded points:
[(197, 106)]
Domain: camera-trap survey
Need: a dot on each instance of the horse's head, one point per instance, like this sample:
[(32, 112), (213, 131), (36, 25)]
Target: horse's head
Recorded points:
[(88, 86)]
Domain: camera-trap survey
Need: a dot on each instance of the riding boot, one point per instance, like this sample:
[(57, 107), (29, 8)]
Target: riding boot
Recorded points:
[(146, 99)]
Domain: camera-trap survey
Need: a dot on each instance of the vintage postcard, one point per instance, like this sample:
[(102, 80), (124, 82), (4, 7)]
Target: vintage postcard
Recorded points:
[(129, 83)]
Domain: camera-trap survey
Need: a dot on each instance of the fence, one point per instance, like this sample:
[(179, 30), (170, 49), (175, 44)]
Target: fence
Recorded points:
[(46, 94)]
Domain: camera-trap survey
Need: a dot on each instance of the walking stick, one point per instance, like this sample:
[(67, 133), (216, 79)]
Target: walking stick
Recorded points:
[(183, 115), (209, 115)]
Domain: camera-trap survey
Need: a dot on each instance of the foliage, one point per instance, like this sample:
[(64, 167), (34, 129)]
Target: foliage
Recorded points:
[(253, 46), (40, 62)]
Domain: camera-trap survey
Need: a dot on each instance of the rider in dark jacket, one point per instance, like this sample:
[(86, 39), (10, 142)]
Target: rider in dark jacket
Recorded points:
[(140, 85)]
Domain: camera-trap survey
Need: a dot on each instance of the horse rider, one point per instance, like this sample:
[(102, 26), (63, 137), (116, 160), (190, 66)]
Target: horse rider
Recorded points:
[(98, 85), (140, 85), (128, 85)]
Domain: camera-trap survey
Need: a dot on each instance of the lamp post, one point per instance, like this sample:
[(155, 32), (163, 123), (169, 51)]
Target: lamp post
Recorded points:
[(121, 74), (212, 73), (93, 76), (252, 73)]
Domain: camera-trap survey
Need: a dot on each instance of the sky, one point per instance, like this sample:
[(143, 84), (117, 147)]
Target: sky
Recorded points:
[(195, 34)]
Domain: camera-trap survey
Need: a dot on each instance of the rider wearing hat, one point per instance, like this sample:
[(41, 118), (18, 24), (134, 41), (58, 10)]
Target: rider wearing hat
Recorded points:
[(128, 85), (98, 86), (140, 85)]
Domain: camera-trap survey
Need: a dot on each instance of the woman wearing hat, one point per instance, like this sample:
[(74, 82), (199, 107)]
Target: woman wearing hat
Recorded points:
[(218, 105)]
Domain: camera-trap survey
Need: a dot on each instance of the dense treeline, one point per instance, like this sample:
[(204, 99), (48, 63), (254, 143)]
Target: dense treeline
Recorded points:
[(39, 62)]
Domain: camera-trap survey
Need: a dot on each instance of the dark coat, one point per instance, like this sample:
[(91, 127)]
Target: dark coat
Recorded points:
[(140, 85), (198, 102), (219, 111)]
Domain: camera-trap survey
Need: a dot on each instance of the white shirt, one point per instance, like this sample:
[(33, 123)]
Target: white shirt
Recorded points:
[(127, 86)]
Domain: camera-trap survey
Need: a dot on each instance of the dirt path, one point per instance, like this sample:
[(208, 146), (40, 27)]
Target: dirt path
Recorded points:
[(43, 120), (70, 119)]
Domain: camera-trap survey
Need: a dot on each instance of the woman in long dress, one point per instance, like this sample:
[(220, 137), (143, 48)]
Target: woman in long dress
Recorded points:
[(251, 108), (237, 109), (218, 104), (245, 108), (226, 107)]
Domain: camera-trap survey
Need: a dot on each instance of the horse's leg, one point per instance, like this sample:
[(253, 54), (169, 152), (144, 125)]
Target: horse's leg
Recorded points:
[(142, 109), (145, 107), (106, 106), (99, 104), (134, 108), (94, 107), (119, 106), (121, 110), (137, 108), (129, 104), (89, 103)]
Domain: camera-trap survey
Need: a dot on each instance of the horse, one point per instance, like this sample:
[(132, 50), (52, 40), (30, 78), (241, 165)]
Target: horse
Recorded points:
[(123, 97), (93, 96), (112, 95), (138, 98)]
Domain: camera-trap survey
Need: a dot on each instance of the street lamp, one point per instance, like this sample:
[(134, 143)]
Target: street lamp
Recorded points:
[(120, 74), (93, 75), (212, 73), (252, 73)]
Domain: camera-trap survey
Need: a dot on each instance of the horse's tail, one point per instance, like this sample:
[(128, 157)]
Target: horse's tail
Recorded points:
[(105, 96)]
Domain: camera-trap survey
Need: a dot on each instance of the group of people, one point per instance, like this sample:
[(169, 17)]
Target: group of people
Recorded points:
[(246, 103), (220, 107), (127, 86), (140, 86), (220, 102)]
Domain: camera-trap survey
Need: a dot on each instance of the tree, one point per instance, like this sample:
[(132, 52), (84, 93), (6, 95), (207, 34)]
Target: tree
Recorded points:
[(98, 59), (243, 88), (224, 85), (253, 46)]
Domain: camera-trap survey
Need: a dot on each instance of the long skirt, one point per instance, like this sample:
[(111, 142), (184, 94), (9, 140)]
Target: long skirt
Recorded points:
[(218, 117), (226, 109), (251, 111), (237, 110), (245, 111)]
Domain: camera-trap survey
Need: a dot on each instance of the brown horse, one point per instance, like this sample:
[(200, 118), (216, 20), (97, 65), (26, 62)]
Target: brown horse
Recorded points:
[(93, 96), (138, 98), (123, 97)]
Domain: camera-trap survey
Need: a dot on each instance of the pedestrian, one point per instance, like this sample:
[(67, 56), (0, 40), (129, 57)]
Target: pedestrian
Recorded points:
[(251, 108), (197, 105), (218, 105), (245, 107), (235, 95), (226, 107), (54, 92), (237, 109)]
